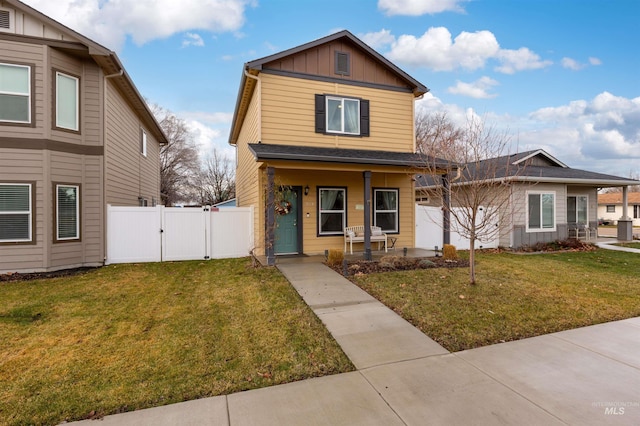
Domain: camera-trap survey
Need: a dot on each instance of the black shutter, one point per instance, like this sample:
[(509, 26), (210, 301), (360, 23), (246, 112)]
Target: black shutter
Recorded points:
[(320, 114), (364, 117)]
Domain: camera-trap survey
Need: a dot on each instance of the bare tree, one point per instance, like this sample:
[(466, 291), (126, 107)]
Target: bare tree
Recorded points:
[(437, 136), (217, 179), (477, 188), (179, 162), (618, 189)]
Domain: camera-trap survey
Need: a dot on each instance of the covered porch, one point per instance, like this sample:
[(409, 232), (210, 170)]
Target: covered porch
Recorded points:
[(312, 194)]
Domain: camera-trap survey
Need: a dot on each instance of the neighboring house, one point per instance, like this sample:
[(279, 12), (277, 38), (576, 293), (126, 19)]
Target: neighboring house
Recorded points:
[(610, 207), (228, 203), (325, 139), (547, 199), (75, 135)]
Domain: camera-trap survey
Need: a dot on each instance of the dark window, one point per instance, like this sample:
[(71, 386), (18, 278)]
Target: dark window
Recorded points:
[(15, 212), (636, 211), (332, 211), (343, 116), (385, 209), (67, 212), (611, 208), (342, 63)]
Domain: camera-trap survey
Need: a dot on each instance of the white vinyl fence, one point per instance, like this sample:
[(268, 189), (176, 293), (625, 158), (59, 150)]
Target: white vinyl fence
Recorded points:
[(429, 230), (156, 234)]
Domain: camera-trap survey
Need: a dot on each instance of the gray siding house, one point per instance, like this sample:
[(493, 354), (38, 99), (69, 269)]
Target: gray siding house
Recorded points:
[(547, 200), (75, 135)]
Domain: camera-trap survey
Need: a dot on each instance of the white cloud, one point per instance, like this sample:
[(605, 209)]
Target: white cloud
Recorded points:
[(520, 60), (477, 89), (603, 133), (378, 39), (109, 22), (419, 7), (572, 64), (600, 135), (192, 39), (210, 130), (594, 61), (436, 50)]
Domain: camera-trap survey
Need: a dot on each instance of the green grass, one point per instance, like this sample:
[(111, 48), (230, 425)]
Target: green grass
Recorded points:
[(517, 296), (127, 337), (630, 245)]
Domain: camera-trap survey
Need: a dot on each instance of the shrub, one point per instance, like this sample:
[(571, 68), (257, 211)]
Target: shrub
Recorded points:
[(449, 252), (335, 257), (426, 263)]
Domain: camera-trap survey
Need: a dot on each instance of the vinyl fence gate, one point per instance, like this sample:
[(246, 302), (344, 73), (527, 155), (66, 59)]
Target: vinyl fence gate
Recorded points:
[(156, 234)]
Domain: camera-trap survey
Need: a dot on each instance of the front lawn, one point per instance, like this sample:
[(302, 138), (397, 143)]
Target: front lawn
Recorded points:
[(126, 337), (630, 245), (517, 295)]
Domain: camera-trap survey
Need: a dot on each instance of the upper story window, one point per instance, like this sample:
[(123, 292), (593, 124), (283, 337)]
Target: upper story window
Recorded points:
[(15, 93), (342, 116), (16, 212), (67, 102), (143, 142)]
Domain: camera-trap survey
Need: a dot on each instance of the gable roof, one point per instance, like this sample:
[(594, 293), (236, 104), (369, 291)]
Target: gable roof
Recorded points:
[(516, 168), (263, 152), (105, 58), (253, 68), (616, 198)]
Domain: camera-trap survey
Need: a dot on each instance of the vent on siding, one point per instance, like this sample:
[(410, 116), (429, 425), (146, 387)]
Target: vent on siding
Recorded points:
[(5, 20), (342, 63)]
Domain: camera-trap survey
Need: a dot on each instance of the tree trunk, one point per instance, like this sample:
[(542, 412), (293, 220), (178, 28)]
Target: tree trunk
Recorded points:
[(472, 261)]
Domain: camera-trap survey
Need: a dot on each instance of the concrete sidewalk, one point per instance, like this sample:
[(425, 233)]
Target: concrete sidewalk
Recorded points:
[(585, 376)]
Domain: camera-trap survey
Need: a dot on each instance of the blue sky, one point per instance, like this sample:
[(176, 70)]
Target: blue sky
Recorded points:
[(558, 75)]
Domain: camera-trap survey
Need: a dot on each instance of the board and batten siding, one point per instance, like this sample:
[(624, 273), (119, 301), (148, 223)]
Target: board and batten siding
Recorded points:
[(128, 173), (288, 115)]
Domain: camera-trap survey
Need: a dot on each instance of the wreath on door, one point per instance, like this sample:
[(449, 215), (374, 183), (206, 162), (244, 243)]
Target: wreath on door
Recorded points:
[(283, 207)]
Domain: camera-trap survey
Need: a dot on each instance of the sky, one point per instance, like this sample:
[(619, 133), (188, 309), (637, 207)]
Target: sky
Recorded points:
[(560, 75)]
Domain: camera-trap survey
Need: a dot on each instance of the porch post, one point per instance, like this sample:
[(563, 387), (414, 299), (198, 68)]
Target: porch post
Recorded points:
[(625, 224), (446, 214), (270, 219), (367, 214)]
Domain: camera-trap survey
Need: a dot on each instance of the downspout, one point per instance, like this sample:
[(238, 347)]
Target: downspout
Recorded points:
[(104, 159)]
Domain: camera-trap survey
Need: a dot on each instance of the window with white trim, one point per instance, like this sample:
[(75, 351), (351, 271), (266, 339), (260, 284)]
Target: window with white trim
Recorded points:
[(67, 212), (611, 208), (15, 93), (385, 209), (541, 211), (16, 212), (577, 209), (67, 102), (332, 212), (343, 115), (143, 142)]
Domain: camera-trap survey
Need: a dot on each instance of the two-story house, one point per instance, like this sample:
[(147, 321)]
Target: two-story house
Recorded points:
[(325, 139), (75, 135)]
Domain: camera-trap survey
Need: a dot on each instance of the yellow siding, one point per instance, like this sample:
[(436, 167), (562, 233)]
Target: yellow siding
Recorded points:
[(288, 115), (353, 181)]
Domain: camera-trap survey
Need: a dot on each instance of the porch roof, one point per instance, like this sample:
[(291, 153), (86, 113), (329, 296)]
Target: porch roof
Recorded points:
[(263, 152)]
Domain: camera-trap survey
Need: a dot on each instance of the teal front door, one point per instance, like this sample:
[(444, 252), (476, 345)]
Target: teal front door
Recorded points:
[(286, 235)]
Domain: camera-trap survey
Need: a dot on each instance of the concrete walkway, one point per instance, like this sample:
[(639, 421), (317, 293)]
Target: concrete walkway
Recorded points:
[(587, 376), (609, 245)]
